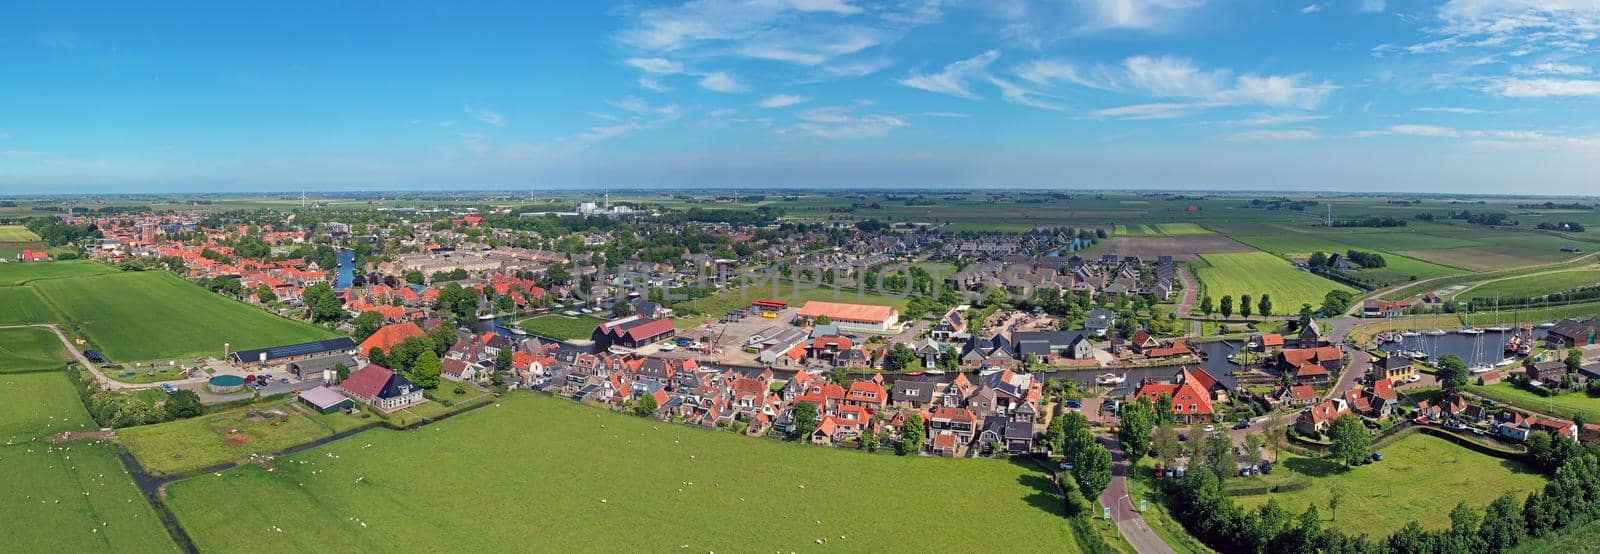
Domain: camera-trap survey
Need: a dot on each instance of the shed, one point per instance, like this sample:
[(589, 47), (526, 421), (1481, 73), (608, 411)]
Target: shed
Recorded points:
[(326, 400)]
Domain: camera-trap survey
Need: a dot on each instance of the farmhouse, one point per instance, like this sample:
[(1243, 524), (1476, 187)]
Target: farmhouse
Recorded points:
[(632, 332), (854, 317), (1394, 368), (262, 357), (381, 388), (390, 336), (1192, 395), (1311, 365)]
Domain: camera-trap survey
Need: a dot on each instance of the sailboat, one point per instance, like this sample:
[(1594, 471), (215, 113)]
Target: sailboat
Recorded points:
[(1497, 328), (1110, 379)]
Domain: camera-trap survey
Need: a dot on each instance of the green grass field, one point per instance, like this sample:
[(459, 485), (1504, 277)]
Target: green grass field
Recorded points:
[(17, 274), (30, 349), (561, 327), (1257, 273), (1534, 285), (1564, 405), (539, 473), (1420, 478), (16, 233), (36, 405), (1582, 540), (156, 315), (231, 435), (75, 498), (22, 304), (1537, 314)]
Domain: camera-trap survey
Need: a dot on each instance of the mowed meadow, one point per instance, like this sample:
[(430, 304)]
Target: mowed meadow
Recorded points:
[(1258, 273), (140, 316), (537, 473)]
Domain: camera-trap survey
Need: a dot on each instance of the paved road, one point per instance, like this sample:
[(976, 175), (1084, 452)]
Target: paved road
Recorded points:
[(1360, 361), (1123, 510)]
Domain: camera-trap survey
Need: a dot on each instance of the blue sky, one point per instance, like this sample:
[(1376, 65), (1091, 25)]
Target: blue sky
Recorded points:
[(1351, 95)]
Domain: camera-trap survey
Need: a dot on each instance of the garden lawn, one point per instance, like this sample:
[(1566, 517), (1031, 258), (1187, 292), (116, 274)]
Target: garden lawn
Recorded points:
[(1534, 285), (567, 476), (561, 327), (1257, 273), (74, 500), (16, 233), (24, 305), (1420, 478), (156, 316), (37, 405), (17, 274), (1562, 405), (231, 435), (30, 349)]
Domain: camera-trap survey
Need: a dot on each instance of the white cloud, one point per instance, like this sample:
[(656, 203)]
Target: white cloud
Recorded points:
[(804, 32), (1373, 6), (1413, 130), (5, 136), (842, 122), (1311, 8), (1274, 135), (1179, 78), (1541, 88), (659, 66), (1454, 110), (1270, 120), (486, 115), (719, 81), (1050, 72), (1552, 68), (782, 100), (1016, 94), (1150, 111), (652, 84), (1133, 14), (952, 80)]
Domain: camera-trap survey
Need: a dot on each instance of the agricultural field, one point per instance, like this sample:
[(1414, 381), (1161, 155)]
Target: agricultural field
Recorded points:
[(22, 304), (1382, 497), (156, 315), (1536, 314), (561, 327), (24, 349), (18, 274), (36, 405), (232, 435), (1562, 405), (1257, 273), (1181, 248), (1538, 284), (16, 233), (75, 498), (1160, 230), (605, 481)]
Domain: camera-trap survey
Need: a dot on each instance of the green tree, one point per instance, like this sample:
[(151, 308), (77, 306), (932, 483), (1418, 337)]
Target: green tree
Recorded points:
[(1502, 526), (1574, 360), (870, 441), (901, 357), (1318, 260), (366, 324), (995, 297), (1264, 307), (1350, 440), (1092, 470), (645, 406), (183, 404), (1452, 373), (1219, 456), (343, 371), (502, 360), (425, 372), (265, 295), (1244, 306), (1336, 494), (1076, 436), (1137, 420), (911, 436), (1164, 411), (1205, 305), (804, 415), (1227, 306), (1164, 444), (324, 303)]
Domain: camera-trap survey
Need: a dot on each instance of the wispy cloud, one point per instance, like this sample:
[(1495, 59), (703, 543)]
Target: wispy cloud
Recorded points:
[(1273, 135), (653, 85), (1552, 68), (1413, 130), (952, 80), (1452, 109), (1272, 120), (1165, 110), (1133, 14), (1374, 6), (1540, 88), (486, 115), (659, 66), (719, 81), (1311, 8), (782, 100), (843, 122)]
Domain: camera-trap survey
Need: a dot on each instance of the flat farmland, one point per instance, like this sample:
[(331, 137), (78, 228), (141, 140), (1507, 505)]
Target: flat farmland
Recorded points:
[(1383, 497), (36, 405), (24, 305), (1257, 273), (602, 481), (218, 438), (1534, 285), (151, 315), (17, 233), (1160, 230), (1181, 248), (25, 349), (17, 274)]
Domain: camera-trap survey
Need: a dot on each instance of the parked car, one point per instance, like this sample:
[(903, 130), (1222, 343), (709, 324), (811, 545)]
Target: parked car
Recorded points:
[(1377, 456), (1210, 428), (168, 388), (1074, 403), (1266, 468), (284, 380), (1183, 437), (1241, 425)]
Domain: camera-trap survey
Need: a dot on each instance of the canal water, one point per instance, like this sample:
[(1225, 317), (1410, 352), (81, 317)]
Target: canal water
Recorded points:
[(347, 269), (1485, 348)]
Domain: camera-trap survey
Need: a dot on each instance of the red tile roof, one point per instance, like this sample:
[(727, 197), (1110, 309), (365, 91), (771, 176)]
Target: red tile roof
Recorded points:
[(389, 336), (368, 381)]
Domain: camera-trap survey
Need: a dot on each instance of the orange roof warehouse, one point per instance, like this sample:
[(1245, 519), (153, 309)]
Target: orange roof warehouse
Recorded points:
[(855, 317)]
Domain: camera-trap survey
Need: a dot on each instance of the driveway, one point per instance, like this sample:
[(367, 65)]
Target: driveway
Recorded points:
[(1123, 510)]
